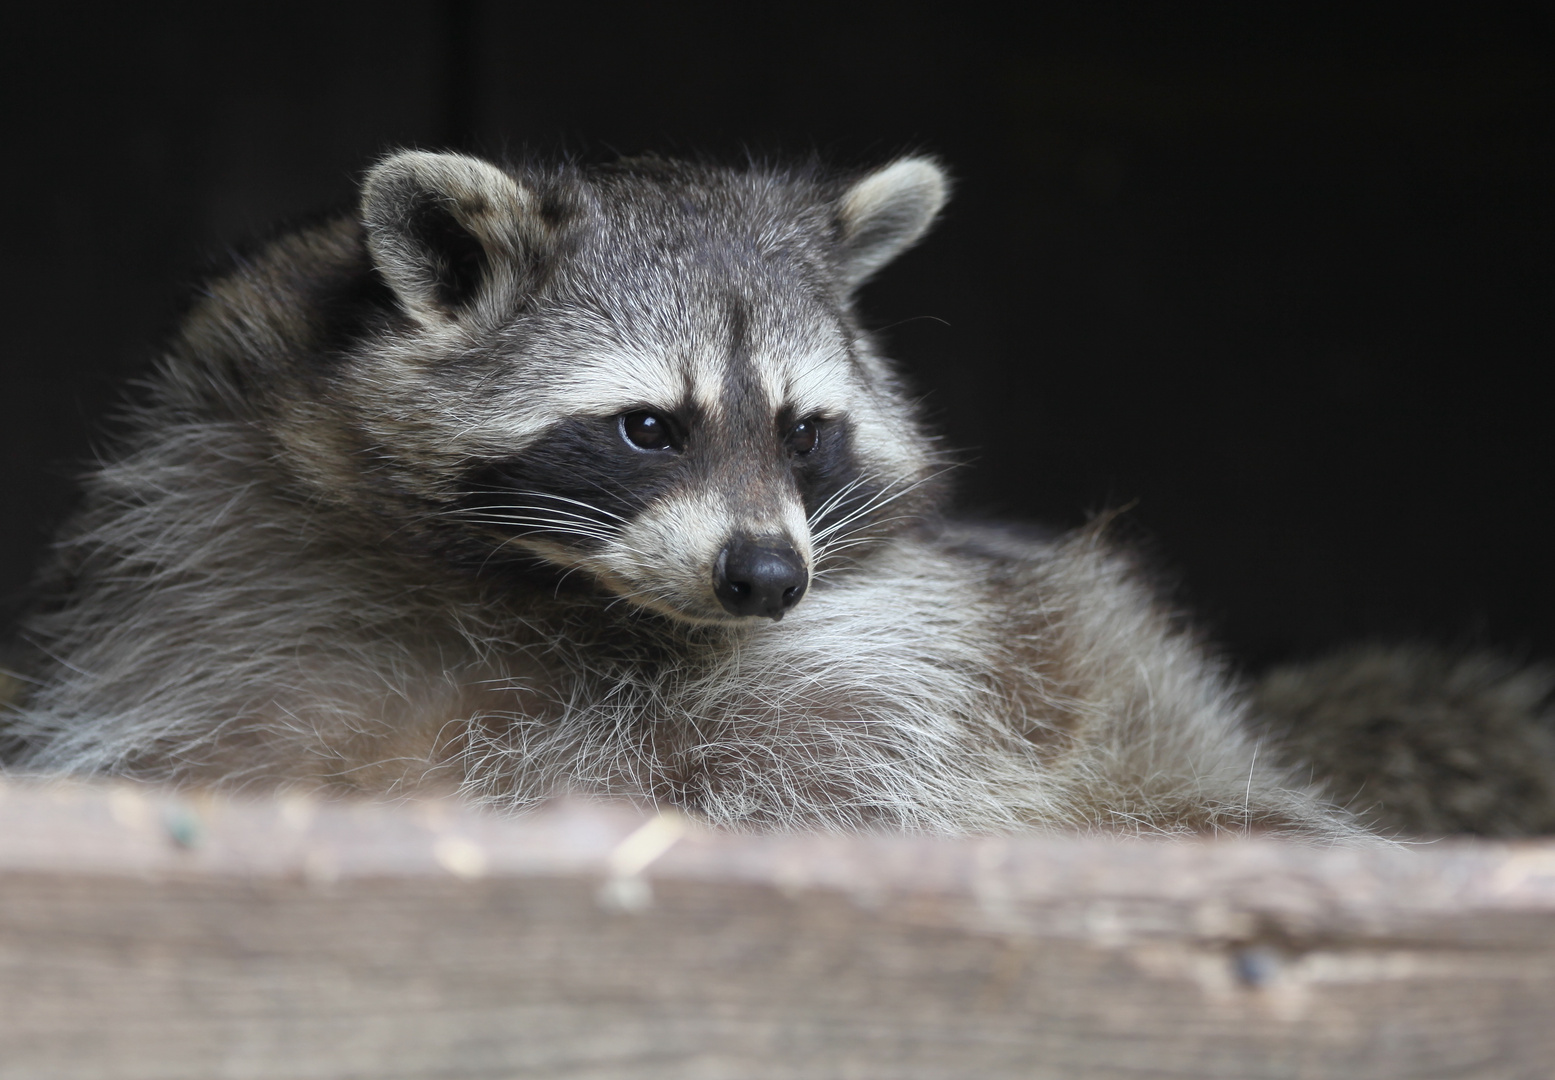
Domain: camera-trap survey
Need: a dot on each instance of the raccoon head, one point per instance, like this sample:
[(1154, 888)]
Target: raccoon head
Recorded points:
[(649, 374)]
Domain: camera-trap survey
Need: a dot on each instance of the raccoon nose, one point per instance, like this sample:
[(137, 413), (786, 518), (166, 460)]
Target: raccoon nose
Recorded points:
[(759, 577)]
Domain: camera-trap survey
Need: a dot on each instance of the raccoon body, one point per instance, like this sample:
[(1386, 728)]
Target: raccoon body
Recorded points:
[(537, 480)]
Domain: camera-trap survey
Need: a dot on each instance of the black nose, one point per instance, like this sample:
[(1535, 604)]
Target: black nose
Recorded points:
[(759, 577)]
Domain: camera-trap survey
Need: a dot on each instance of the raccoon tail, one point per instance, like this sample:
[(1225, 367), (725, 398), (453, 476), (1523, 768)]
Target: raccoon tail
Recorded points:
[(1420, 741)]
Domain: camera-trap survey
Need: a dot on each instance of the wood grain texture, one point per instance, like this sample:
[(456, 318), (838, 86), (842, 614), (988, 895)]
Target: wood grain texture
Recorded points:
[(145, 935)]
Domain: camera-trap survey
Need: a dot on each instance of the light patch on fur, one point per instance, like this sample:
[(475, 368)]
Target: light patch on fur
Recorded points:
[(604, 382), (820, 383)]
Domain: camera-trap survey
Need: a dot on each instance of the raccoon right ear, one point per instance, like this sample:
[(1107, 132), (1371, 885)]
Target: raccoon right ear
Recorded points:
[(444, 230), (887, 212)]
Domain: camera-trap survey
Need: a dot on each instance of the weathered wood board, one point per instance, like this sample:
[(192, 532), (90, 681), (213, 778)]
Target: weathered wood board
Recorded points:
[(144, 935)]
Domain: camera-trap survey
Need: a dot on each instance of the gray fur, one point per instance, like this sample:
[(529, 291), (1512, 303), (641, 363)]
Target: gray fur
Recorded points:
[(339, 549), (1422, 741)]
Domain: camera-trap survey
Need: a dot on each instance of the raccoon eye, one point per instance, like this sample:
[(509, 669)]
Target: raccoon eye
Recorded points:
[(801, 438), (647, 431)]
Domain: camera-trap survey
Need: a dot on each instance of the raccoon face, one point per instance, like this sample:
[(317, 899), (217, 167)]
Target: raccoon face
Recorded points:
[(649, 375)]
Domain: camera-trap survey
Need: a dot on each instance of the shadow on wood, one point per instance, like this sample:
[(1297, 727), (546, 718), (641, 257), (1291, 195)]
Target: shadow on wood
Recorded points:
[(147, 935)]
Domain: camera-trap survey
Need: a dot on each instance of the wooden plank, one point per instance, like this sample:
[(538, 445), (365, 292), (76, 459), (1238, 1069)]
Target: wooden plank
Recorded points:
[(143, 935)]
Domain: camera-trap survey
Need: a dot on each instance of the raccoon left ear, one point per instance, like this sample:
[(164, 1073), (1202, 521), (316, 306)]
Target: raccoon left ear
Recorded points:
[(887, 212), (444, 230)]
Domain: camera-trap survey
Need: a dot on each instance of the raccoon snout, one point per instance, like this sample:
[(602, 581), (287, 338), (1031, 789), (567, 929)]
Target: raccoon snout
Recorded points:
[(759, 576)]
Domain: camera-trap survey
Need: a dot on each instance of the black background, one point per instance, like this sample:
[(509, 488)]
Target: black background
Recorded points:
[(1277, 280)]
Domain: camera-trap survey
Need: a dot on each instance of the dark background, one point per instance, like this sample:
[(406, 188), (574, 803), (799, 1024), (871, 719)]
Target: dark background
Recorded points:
[(1279, 281)]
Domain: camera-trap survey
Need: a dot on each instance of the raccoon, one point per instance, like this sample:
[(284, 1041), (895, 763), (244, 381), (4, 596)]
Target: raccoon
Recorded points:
[(546, 478)]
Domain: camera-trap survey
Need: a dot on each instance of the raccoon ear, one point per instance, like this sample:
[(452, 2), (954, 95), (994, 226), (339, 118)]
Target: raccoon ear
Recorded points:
[(444, 230), (887, 212)]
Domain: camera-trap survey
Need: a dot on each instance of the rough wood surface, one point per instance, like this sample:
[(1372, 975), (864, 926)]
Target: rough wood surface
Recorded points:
[(143, 935)]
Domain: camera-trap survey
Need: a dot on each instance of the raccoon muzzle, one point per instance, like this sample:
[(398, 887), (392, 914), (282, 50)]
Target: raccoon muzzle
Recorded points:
[(764, 576)]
